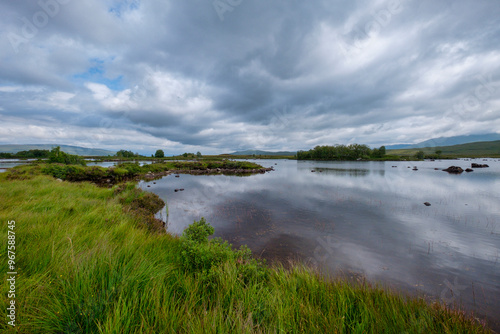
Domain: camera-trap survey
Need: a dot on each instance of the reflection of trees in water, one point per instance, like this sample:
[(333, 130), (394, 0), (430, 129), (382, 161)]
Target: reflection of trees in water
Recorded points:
[(355, 172), (343, 172)]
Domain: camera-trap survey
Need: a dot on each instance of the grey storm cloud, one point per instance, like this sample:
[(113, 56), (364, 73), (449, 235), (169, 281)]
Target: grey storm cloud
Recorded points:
[(222, 75)]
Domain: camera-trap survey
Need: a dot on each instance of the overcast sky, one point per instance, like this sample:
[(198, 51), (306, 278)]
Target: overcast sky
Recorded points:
[(225, 75)]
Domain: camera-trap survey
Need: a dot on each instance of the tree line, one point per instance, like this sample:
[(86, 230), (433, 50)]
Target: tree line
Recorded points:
[(31, 154), (342, 152)]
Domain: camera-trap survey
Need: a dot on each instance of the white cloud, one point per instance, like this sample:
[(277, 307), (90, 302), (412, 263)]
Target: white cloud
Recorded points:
[(173, 73)]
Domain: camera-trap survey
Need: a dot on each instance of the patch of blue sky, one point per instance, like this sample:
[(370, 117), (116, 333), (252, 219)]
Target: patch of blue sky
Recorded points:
[(97, 74), (124, 6)]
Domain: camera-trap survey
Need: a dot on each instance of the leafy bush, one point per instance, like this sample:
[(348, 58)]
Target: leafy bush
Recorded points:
[(198, 232), (132, 169), (205, 257), (118, 173), (57, 171), (75, 173)]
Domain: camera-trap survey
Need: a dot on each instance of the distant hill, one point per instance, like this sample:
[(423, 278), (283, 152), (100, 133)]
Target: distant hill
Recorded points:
[(76, 150), (448, 141), (478, 149), (257, 152)]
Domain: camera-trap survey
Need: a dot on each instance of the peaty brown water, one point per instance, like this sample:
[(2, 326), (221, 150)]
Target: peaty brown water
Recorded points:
[(367, 218)]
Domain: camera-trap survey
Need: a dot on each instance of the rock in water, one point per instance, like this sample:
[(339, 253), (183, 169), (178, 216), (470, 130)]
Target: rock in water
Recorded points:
[(474, 165), (454, 170), (427, 204)]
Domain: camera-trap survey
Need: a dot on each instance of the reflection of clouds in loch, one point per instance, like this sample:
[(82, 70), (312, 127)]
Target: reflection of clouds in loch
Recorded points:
[(375, 224)]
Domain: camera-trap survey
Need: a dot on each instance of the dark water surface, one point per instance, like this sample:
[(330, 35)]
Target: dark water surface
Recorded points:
[(10, 163), (362, 217)]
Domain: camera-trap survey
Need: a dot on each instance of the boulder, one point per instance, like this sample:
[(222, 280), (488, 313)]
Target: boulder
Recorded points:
[(468, 170), (427, 204), (454, 170)]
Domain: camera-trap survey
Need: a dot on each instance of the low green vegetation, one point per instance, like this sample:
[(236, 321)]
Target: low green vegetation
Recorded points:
[(342, 152), (125, 171), (90, 260)]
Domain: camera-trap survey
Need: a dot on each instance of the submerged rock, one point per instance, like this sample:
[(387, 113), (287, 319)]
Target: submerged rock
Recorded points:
[(454, 170), (474, 165), (427, 204), (468, 170)]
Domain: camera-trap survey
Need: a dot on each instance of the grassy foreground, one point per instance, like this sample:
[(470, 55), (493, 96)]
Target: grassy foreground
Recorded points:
[(88, 263)]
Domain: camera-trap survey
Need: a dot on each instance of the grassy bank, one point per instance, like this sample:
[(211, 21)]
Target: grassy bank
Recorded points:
[(132, 171), (89, 262)]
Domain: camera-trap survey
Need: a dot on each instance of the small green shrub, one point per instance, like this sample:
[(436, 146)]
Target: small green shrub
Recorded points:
[(198, 231), (205, 257), (57, 171), (118, 173), (95, 174), (131, 168)]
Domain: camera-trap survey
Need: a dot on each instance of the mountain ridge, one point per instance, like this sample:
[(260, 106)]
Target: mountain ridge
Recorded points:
[(447, 141), (258, 152), (76, 150), (475, 149)]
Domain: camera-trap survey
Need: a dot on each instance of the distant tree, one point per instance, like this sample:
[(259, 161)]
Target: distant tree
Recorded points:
[(58, 156), (198, 154), (337, 152), (438, 153), (125, 154), (185, 155), (33, 154), (382, 151), (420, 154), (378, 152), (160, 154)]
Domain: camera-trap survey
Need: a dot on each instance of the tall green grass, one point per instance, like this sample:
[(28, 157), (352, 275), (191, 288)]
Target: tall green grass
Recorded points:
[(86, 265)]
